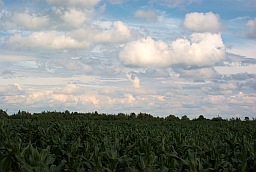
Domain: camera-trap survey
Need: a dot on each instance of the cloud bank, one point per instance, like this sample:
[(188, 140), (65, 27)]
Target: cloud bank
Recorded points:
[(45, 40), (201, 49), (75, 39)]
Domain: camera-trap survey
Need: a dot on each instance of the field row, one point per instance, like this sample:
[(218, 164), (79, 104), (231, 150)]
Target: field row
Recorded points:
[(39, 145)]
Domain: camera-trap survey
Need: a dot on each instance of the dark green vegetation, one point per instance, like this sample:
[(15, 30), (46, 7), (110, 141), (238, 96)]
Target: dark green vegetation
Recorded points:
[(127, 145)]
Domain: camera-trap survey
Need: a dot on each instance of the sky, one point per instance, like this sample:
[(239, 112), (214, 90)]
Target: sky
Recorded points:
[(181, 57)]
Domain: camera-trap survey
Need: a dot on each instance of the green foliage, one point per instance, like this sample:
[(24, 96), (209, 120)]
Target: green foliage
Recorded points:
[(172, 118), (127, 145), (3, 114)]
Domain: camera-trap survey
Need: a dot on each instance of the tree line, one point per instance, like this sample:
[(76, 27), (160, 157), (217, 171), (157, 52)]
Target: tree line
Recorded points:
[(67, 115)]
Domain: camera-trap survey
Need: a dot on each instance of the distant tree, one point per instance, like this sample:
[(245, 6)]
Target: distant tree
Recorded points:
[(21, 115), (238, 119), (172, 118), (66, 113), (232, 119), (132, 116), (185, 118), (217, 119), (75, 113), (121, 116), (3, 114), (144, 116), (200, 118), (246, 118)]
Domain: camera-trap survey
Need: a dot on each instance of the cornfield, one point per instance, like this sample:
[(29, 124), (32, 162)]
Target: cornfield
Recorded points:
[(87, 145)]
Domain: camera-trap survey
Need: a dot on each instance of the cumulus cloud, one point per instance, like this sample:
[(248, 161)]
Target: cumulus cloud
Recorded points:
[(30, 21), (146, 52), (74, 17), (251, 25), (45, 40), (149, 15), (203, 22), (202, 49), (77, 3), (117, 32), (69, 95), (130, 98), (134, 79), (77, 39)]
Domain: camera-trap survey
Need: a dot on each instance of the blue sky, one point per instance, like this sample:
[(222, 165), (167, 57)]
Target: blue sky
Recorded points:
[(195, 57)]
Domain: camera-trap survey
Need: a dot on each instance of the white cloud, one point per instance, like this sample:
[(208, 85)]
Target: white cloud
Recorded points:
[(90, 99), (202, 49), (203, 22), (15, 57), (69, 95), (74, 17), (216, 99), (249, 100), (10, 89), (117, 32), (45, 40), (199, 74), (251, 25), (77, 3), (30, 21), (68, 89), (149, 15), (146, 52), (130, 98), (134, 79), (78, 39)]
